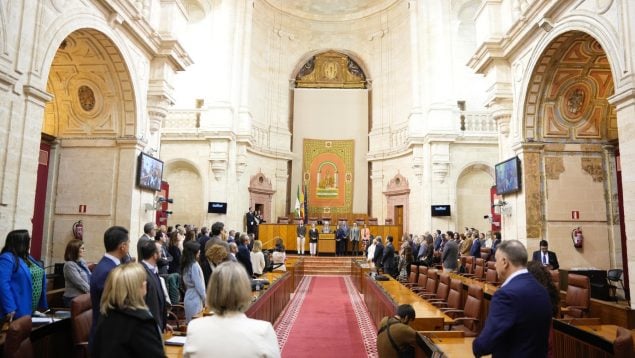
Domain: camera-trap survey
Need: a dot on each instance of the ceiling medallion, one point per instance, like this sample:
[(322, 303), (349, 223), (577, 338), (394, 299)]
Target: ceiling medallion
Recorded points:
[(86, 98), (574, 103)]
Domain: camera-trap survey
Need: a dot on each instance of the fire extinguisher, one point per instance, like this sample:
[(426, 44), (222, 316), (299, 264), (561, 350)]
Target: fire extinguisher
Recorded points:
[(78, 230), (577, 237)]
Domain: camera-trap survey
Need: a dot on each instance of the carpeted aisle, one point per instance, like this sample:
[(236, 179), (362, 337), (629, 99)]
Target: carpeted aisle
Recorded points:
[(328, 310)]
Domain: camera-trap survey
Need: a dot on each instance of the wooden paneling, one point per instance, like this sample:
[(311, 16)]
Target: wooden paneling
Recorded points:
[(268, 233)]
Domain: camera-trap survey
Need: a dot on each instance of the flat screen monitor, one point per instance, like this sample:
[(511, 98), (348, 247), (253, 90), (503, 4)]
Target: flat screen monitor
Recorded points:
[(214, 207), (508, 179), (149, 172), (441, 210)]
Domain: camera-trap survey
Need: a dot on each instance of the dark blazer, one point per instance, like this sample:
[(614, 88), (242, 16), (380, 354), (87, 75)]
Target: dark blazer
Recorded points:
[(388, 259), (518, 322), (155, 299), (379, 254), (252, 223), (314, 235), (553, 259), (97, 283), (206, 267), (244, 257), (128, 333), (300, 231), (175, 265), (475, 250), (16, 286)]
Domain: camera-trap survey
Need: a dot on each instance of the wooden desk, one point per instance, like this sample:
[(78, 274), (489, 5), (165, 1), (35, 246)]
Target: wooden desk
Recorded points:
[(49, 339), (383, 297)]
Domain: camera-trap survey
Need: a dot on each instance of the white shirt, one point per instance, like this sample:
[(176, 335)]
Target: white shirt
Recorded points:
[(519, 272), (230, 335), (113, 259)]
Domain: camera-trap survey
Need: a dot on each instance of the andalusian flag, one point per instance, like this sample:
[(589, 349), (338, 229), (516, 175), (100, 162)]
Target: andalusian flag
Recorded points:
[(297, 203), (302, 203)]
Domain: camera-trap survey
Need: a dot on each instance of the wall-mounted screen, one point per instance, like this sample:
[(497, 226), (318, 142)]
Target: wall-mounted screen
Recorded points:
[(149, 172), (508, 179), (441, 210), (214, 207)]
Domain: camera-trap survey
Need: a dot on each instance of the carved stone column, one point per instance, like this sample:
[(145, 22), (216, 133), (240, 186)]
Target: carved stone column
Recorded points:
[(502, 114)]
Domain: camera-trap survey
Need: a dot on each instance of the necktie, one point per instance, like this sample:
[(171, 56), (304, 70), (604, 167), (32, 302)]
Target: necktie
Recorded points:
[(544, 259)]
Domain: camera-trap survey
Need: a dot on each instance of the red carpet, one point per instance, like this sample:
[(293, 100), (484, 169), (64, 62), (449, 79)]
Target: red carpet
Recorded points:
[(330, 311)]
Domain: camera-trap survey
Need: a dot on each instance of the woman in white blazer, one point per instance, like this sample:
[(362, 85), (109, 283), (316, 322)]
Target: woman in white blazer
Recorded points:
[(229, 332)]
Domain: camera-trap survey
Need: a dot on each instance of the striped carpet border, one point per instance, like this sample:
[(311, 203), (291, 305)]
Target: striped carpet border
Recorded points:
[(364, 322), (286, 320)]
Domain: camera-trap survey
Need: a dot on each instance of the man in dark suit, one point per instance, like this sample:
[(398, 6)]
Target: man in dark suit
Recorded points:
[(388, 258), (340, 237), (519, 316), (117, 242), (155, 298), (379, 253), (545, 257), (243, 255), (252, 222)]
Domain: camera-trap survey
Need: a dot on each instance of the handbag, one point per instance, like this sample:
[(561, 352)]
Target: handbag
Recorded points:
[(404, 352)]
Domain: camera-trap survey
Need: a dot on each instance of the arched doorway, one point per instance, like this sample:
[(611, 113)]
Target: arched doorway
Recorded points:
[(88, 150), (473, 197), (569, 161), (188, 206)]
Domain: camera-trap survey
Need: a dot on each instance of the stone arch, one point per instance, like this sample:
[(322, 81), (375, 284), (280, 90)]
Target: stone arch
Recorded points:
[(93, 93), (598, 28), (189, 206), (62, 28), (398, 201), (261, 194), (568, 91)]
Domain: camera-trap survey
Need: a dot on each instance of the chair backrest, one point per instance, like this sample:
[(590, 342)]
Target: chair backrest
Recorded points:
[(485, 253), (578, 294), (469, 264), (454, 296), (81, 318), (623, 345), (473, 304), (414, 274), (555, 278), (283, 220), (491, 276), (422, 281), (614, 275), (372, 221), (479, 268), (443, 289), (431, 284), (17, 342)]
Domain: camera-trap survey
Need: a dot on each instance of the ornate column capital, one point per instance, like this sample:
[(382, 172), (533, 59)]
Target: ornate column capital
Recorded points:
[(501, 110)]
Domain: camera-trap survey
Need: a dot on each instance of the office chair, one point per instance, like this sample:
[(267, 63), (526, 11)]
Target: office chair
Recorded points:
[(614, 276)]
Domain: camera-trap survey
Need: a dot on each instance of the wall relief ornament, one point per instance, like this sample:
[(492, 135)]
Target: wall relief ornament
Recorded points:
[(554, 166), (86, 98), (593, 167), (331, 70)]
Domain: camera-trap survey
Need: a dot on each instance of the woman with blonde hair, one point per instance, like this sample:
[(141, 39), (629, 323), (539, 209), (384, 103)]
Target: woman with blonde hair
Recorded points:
[(229, 332), (126, 327), (257, 258)]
